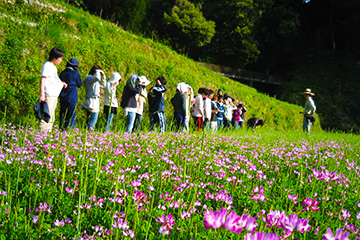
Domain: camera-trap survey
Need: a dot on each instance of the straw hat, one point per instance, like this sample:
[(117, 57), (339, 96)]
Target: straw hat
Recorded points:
[(308, 92)]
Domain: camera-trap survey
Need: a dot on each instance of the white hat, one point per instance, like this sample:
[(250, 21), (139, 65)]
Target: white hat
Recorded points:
[(115, 77), (144, 81)]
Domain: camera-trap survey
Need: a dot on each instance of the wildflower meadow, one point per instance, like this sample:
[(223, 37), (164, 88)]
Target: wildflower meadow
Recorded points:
[(90, 185)]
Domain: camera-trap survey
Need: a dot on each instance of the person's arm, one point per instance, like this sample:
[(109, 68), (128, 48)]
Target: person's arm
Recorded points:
[(42, 89), (78, 80), (103, 80)]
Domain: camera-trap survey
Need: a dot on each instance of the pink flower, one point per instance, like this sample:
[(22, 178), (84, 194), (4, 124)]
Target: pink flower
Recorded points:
[(35, 219), (261, 236), (339, 235), (167, 224), (235, 223), (258, 194), (293, 198), (215, 219), (310, 204), (303, 225)]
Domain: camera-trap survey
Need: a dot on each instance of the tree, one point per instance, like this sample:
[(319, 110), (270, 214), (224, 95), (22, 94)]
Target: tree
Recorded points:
[(187, 27)]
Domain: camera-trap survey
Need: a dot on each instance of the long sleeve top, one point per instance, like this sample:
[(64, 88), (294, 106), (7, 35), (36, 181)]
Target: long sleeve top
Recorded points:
[(310, 107), (72, 78), (128, 97), (207, 108), (228, 111), (110, 94), (156, 99), (198, 108), (92, 86)]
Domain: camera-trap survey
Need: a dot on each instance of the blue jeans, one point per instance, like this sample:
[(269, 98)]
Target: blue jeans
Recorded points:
[(130, 121), (236, 125), (160, 118), (151, 118), (108, 122), (179, 121), (91, 120), (306, 125), (137, 123), (220, 123)]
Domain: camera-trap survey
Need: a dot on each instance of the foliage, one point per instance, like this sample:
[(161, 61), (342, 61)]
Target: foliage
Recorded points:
[(187, 28), (95, 41)]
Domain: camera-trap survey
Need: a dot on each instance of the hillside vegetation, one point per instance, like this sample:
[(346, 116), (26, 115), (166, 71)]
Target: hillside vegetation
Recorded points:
[(29, 31)]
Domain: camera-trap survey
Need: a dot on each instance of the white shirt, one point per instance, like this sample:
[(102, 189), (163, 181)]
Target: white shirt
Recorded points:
[(198, 108), (207, 107), (52, 83)]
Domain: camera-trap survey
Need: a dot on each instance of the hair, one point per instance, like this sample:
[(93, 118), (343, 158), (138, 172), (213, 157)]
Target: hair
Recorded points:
[(215, 98), (207, 92), (55, 53), (210, 92), (201, 90), (220, 90), (93, 69), (162, 79), (226, 96), (219, 97)]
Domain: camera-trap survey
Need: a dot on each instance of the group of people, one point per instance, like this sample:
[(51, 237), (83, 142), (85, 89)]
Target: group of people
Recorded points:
[(65, 88), (209, 111)]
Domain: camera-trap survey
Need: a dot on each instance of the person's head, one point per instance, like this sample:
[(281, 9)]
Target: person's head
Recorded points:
[(211, 93), (56, 55), (201, 90), (115, 79), (74, 63), (220, 99), (226, 96), (240, 105), (220, 92), (162, 80), (215, 98), (93, 69), (206, 93)]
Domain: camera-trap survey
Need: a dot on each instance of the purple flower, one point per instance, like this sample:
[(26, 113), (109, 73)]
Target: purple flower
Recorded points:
[(119, 223), (235, 223), (261, 236), (70, 190), (58, 223), (310, 204), (339, 235), (303, 225), (167, 224), (45, 207), (215, 219), (35, 219), (293, 198), (258, 194)]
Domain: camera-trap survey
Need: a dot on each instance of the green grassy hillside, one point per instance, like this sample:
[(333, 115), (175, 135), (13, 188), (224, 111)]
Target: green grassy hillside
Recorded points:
[(28, 32)]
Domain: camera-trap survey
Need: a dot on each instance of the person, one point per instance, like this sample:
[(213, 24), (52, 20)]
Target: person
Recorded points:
[(198, 109), (237, 120), (242, 115), (189, 95), (254, 122), (51, 86), (220, 115), (69, 96), (219, 93), (209, 94), (93, 82), (110, 100), (128, 101), (309, 110), (214, 112), (228, 112), (179, 104), (140, 101), (157, 105)]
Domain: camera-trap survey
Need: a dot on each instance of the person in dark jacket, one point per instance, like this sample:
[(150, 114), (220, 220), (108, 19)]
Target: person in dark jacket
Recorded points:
[(157, 105), (179, 104), (254, 122), (128, 102), (69, 96)]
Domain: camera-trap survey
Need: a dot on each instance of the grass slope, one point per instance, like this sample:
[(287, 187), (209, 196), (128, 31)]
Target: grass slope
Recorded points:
[(28, 32)]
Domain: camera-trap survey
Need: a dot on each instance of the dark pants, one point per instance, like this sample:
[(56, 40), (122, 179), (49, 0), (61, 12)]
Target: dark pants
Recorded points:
[(179, 121), (198, 123), (67, 115)]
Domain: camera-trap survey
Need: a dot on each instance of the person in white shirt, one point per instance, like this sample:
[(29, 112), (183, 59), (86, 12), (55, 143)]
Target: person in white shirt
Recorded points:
[(209, 94), (51, 86), (309, 110), (111, 103), (198, 109)]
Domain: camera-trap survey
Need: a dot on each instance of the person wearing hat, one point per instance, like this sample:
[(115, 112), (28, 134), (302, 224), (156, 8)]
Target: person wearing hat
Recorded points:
[(309, 110), (69, 96), (140, 100), (110, 101)]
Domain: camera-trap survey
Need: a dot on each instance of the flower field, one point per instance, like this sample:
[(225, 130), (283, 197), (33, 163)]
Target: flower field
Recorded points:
[(78, 185)]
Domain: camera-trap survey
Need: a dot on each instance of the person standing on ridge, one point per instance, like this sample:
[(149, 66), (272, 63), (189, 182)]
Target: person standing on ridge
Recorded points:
[(309, 110)]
